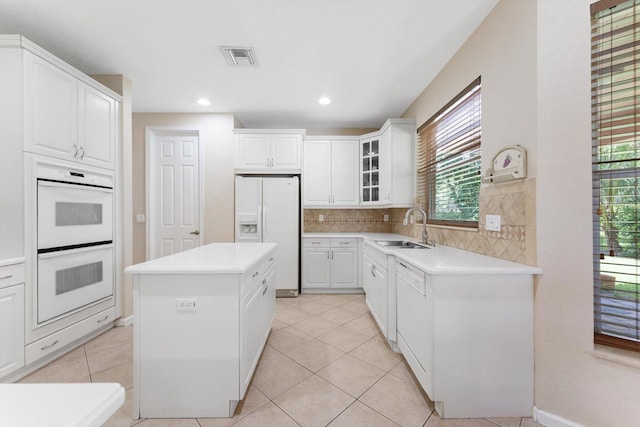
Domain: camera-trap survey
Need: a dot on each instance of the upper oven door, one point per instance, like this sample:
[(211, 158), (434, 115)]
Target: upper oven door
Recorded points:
[(73, 214)]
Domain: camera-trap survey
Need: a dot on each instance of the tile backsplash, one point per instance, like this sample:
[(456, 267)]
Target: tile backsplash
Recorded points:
[(513, 201)]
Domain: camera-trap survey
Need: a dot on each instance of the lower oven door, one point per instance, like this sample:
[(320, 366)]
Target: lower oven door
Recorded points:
[(70, 280)]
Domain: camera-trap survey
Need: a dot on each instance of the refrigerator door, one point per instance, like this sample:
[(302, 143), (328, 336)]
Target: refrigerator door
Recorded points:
[(248, 227), (281, 222)]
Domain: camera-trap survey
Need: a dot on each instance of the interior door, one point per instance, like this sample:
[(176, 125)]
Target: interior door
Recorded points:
[(176, 201)]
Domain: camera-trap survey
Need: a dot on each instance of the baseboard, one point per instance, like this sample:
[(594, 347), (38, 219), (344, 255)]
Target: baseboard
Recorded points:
[(552, 420), (125, 321)]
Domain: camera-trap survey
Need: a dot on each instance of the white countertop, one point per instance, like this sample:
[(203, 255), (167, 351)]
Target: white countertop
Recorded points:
[(214, 258), (438, 260), (59, 405)]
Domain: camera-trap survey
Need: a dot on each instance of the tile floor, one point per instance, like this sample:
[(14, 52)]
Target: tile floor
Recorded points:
[(325, 364)]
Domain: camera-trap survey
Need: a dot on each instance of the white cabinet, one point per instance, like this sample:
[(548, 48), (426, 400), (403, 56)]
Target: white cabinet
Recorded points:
[(11, 319), (330, 263), (375, 284), (66, 118), (268, 151), (257, 311), (331, 172), (468, 340), (387, 162)]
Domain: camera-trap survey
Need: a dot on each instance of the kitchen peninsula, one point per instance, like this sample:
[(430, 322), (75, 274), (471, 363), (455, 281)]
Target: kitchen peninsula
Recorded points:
[(201, 320)]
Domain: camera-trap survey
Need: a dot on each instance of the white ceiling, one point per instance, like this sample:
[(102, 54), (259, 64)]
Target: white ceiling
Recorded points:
[(371, 57)]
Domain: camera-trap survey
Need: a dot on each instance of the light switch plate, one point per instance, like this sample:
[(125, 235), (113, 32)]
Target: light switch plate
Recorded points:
[(493, 223)]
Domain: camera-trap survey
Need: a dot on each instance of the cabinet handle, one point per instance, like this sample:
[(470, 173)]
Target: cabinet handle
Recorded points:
[(373, 270), (315, 243), (103, 319), (327, 254), (344, 243), (270, 259), (81, 152), (265, 286), (254, 274), (8, 276), (331, 254), (49, 346), (75, 153)]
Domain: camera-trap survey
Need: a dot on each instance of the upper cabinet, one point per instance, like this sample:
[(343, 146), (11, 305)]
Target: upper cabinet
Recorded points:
[(268, 151), (331, 172), (65, 117), (387, 165)]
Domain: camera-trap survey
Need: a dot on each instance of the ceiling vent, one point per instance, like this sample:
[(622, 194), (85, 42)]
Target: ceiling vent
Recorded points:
[(236, 55)]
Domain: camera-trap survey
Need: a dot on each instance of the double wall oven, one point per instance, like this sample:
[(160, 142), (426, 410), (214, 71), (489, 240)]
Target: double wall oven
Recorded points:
[(75, 231)]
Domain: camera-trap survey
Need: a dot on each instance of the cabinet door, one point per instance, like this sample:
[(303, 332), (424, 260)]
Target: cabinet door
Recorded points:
[(268, 300), (252, 335), (317, 173), (344, 173), (97, 127), (252, 151), (386, 168), (50, 110), (285, 152), (317, 268), (344, 268), (375, 286), (11, 329), (370, 171)]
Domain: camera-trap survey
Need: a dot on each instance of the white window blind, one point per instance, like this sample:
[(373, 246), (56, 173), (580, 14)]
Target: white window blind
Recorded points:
[(615, 85), (448, 164)]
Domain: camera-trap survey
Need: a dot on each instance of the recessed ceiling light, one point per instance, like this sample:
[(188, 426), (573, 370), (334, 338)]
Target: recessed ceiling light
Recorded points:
[(203, 101), (324, 100)]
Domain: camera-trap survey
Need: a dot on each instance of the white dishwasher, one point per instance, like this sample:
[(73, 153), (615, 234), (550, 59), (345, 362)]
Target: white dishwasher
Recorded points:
[(415, 321)]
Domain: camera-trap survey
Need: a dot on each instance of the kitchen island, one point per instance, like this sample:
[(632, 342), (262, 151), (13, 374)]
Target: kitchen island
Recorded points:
[(201, 320)]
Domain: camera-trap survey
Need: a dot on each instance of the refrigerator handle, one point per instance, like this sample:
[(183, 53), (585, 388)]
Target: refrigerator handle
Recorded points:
[(260, 223), (264, 223)]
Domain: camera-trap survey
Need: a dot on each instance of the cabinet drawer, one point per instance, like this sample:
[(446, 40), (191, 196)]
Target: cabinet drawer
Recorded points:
[(344, 243), (251, 277), (60, 339), (317, 243), (11, 275)]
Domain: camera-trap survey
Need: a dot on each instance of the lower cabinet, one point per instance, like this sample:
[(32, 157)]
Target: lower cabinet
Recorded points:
[(11, 325), (257, 311), (375, 286), (330, 263), (468, 340)]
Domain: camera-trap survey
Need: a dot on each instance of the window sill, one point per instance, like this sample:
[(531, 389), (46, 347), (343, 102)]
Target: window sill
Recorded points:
[(617, 355), (452, 227)]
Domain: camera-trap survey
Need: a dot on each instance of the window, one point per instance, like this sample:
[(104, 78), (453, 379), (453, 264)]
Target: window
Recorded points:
[(615, 83), (448, 165)]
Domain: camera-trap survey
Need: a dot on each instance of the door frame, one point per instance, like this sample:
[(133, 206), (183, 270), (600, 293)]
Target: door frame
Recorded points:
[(151, 134)]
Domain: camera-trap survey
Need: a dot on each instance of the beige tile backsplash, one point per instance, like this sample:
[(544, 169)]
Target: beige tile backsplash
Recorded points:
[(513, 201)]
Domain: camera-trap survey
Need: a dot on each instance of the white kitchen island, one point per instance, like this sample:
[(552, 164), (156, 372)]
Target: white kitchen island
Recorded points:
[(201, 320)]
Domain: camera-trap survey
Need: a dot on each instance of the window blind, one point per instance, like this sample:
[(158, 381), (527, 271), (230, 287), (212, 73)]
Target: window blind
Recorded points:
[(448, 160), (615, 86)]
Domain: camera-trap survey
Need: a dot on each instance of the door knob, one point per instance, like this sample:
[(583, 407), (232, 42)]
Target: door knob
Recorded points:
[(195, 232)]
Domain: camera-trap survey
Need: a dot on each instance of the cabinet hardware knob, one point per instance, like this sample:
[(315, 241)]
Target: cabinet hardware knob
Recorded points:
[(49, 346), (254, 274), (270, 259), (195, 232), (8, 276)]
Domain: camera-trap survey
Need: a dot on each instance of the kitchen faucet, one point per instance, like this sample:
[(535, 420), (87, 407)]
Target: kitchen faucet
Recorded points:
[(425, 240)]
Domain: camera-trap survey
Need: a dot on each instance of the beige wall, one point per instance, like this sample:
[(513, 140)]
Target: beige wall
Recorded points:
[(533, 57), (571, 380), (218, 172)]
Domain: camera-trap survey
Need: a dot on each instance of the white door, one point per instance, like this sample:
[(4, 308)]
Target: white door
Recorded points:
[(175, 194)]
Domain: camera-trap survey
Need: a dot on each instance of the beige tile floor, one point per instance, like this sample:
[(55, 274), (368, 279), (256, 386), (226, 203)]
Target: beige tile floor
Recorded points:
[(325, 364)]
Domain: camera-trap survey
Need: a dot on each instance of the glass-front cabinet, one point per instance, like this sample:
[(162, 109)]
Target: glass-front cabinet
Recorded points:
[(370, 188)]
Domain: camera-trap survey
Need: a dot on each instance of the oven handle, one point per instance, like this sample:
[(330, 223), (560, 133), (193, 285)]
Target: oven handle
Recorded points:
[(74, 185), (74, 251)]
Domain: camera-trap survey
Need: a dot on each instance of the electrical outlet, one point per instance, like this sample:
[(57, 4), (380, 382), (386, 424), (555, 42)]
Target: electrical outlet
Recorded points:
[(321, 218), (186, 305), (140, 218), (386, 218), (492, 223)]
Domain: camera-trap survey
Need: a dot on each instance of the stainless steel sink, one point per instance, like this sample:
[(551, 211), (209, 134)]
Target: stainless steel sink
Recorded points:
[(402, 244)]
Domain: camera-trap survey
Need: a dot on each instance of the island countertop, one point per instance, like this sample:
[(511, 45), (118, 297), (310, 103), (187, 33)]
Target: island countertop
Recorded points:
[(217, 258)]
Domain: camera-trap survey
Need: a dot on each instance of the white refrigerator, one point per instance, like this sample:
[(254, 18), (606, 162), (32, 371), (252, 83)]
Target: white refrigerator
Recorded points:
[(268, 210)]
